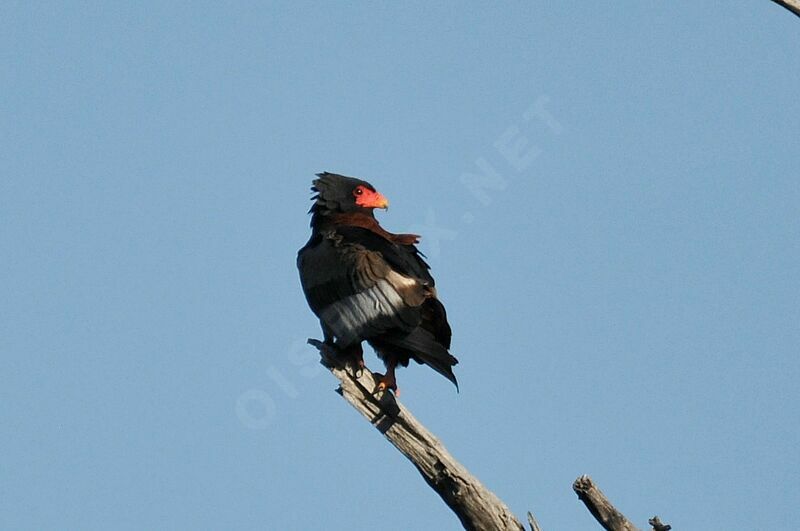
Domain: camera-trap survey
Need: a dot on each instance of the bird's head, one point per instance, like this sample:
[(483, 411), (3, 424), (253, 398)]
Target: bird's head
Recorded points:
[(337, 194)]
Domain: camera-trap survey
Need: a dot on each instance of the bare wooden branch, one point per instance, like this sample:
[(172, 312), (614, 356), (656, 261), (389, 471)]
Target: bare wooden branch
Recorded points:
[(476, 506), (602, 509), (657, 525), (533, 523), (791, 5)]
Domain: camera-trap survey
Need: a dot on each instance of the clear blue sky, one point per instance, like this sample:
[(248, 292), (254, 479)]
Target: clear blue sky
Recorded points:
[(624, 292)]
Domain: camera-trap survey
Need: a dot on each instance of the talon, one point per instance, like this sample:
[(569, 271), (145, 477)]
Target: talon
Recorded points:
[(352, 358), (358, 367), (386, 382)]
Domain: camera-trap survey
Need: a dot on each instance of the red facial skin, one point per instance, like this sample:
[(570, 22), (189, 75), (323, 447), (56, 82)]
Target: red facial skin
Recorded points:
[(366, 198)]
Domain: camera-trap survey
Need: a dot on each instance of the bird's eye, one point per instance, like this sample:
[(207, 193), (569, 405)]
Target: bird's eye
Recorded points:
[(358, 191)]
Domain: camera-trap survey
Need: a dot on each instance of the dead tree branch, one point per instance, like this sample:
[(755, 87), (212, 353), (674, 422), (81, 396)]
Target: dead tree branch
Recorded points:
[(533, 523), (602, 509), (604, 512), (791, 5), (476, 506), (657, 525)]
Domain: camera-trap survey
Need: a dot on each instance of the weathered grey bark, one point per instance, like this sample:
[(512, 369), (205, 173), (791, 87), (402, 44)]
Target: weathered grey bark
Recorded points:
[(604, 512), (533, 523), (602, 509), (791, 5), (657, 525), (476, 506)]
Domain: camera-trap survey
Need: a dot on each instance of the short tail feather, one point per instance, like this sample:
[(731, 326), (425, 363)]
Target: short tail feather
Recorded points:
[(428, 350)]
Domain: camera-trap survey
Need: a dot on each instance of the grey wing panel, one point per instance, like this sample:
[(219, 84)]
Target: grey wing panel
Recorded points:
[(355, 293), (368, 313)]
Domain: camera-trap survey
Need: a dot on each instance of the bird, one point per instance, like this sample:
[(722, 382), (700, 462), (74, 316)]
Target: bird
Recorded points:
[(365, 283)]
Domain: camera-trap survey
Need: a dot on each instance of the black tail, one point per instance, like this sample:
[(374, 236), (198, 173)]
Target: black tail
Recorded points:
[(427, 350)]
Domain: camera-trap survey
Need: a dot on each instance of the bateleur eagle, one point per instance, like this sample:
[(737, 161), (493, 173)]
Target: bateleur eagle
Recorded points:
[(367, 284)]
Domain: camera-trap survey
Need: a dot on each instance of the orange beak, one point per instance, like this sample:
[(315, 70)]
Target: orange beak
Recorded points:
[(370, 199)]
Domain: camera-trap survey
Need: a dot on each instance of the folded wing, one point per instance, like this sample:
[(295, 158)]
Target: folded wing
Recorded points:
[(355, 292), (363, 287)]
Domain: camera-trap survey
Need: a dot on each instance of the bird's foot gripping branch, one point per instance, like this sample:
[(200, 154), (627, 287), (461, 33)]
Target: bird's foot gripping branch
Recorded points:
[(382, 405)]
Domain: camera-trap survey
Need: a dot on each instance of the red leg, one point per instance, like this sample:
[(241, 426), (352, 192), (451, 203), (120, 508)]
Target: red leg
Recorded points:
[(388, 381)]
